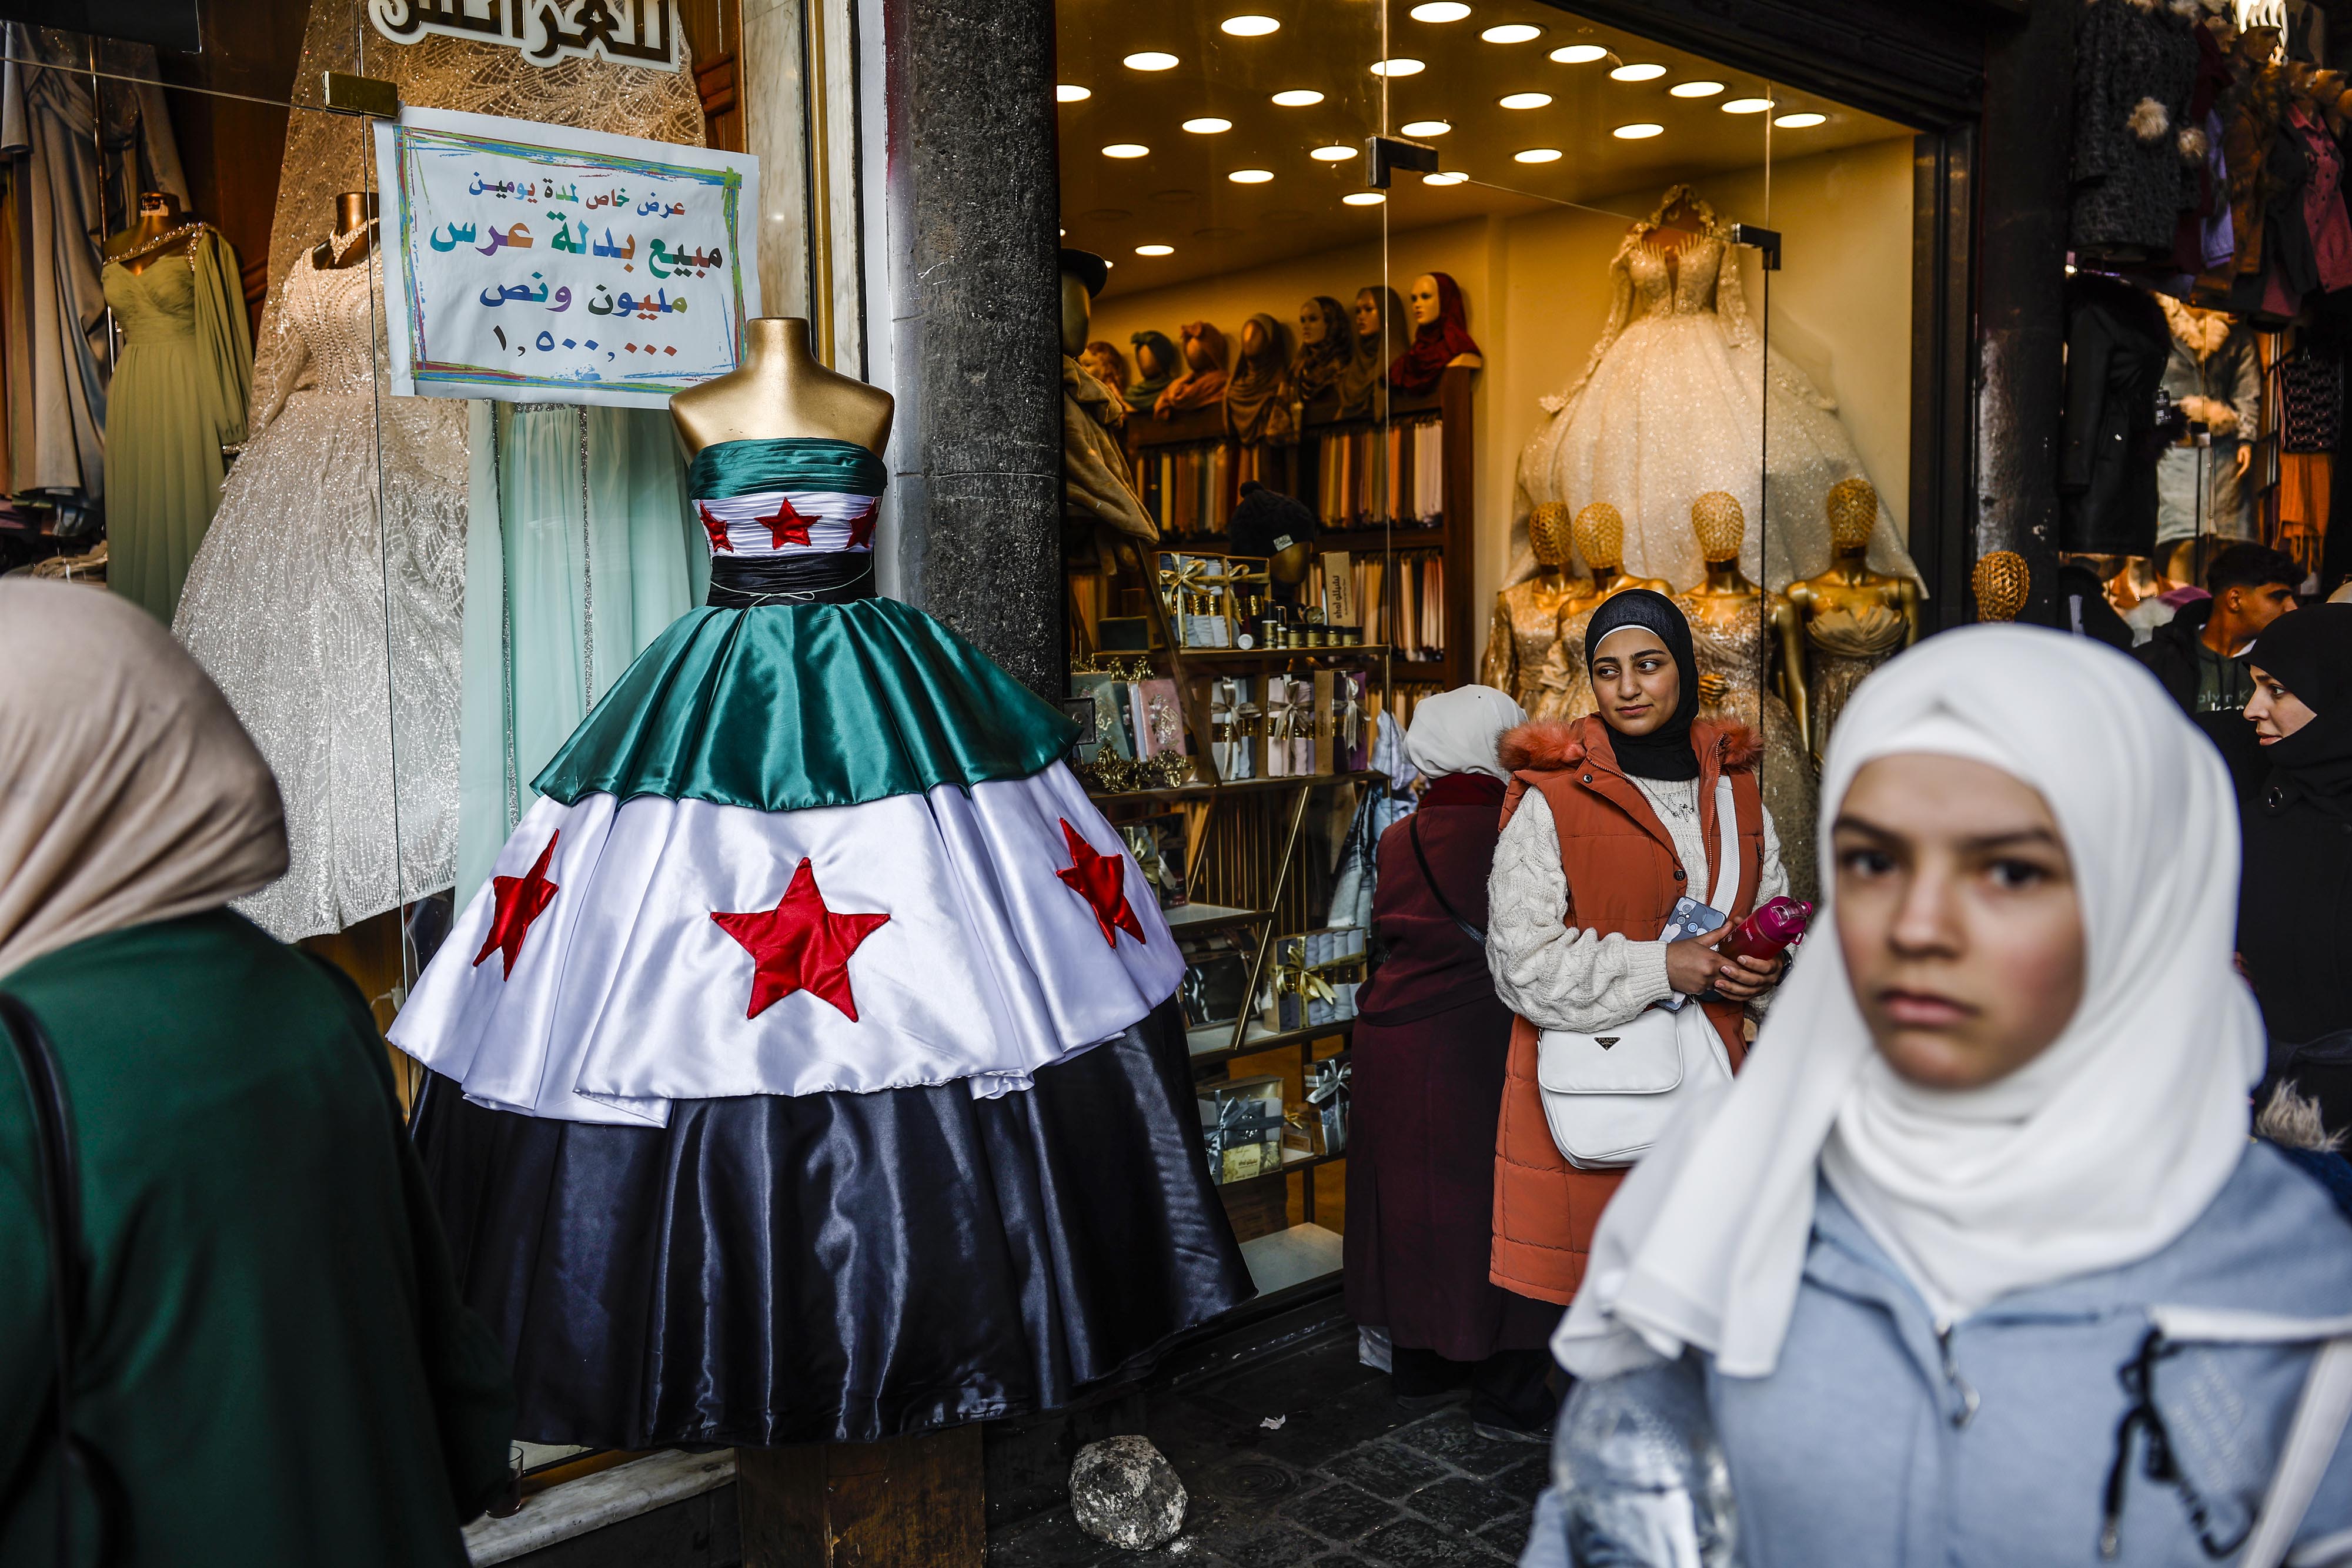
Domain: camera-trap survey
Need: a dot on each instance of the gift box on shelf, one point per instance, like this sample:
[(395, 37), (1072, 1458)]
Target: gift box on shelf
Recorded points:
[(1158, 845), (1194, 590), (1216, 988), (1106, 693), (1158, 719), (1349, 721), (1124, 634), (1313, 978), (1241, 1122), (1290, 726), (1235, 728), (1327, 1097)]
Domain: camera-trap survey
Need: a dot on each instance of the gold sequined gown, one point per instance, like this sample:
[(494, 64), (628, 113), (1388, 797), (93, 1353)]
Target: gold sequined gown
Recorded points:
[(1841, 647), (1526, 625), (1785, 776), (1564, 687)]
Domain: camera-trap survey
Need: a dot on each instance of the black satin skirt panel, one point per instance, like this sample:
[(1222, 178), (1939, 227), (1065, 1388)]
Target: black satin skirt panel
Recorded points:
[(842, 1267)]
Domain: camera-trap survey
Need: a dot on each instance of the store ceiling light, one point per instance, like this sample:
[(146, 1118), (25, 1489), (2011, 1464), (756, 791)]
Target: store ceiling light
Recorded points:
[(1150, 60), (1441, 11), (1298, 98), (1800, 122), (1208, 125), (1070, 92), (1155, 250), (1126, 150), (1452, 177), (1747, 105), (1580, 54), (1336, 153), (1536, 155), (1250, 176), (1426, 127), (1524, 99), (1250, 26), (1513, 32), (1695, 88), (1642, 72), (1640, 132), (1398, 67), (1364, 198)]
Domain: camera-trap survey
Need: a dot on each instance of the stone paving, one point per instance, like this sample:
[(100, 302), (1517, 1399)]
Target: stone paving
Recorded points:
[(1348, 1477)]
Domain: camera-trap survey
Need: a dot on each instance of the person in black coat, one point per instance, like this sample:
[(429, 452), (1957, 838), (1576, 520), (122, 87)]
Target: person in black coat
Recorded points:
[(2199, 654), (2295, 901)]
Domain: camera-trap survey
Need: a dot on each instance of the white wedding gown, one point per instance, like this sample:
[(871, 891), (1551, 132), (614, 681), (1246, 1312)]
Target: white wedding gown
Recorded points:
[(1673, 403), (327, 603)]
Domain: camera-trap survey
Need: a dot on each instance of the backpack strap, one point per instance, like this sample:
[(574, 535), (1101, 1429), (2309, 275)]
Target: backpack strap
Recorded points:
[(1412, 832), (2311, 1441)]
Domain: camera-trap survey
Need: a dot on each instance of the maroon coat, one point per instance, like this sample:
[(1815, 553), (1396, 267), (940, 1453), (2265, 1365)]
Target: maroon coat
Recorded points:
[(1430, 1045)]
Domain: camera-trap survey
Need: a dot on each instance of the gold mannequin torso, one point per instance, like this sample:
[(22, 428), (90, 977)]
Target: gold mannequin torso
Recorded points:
[(780, 392), (1526, 624), (1853, 619), (153, 224)]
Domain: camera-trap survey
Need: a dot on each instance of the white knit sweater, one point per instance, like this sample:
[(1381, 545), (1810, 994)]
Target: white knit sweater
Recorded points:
[(1557, 975)]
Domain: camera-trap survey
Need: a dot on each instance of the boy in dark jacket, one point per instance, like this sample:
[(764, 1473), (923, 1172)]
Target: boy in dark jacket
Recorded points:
[(2198, 654)]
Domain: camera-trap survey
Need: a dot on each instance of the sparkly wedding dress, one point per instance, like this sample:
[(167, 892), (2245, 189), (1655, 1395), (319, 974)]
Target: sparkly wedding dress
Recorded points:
[(1674, 401), (326, 603)]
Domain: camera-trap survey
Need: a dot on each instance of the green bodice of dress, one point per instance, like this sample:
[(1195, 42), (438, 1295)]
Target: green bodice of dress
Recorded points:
[(726, 468)]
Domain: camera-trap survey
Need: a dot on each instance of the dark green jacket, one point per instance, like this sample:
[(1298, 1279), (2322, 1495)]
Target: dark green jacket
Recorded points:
[(276, 1362)]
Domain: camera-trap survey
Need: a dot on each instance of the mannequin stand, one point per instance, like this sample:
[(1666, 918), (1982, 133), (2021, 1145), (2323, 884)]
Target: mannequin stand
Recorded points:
[(909, 1502)]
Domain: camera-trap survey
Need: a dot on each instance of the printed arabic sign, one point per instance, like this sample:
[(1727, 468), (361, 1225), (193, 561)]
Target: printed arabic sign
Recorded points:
[(630, 32), (536, 264)]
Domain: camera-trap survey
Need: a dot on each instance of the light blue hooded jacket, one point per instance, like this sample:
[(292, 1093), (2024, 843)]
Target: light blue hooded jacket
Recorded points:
[(1878, 1442)]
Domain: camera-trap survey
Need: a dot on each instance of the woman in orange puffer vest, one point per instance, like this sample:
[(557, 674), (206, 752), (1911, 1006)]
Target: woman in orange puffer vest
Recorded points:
[(1608, 821)]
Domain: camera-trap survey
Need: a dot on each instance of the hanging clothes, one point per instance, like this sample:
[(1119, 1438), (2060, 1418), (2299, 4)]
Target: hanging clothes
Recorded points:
[(2136, 68), (75, 164), (2212, 369), (2115, 355)]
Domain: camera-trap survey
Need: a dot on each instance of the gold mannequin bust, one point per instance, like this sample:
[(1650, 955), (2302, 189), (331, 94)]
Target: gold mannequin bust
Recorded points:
[(354, 210), (779, 391), (1526, 615), (2002, 581), (1601, 540), (1854, 619), (1733, 625), (1565, 686)]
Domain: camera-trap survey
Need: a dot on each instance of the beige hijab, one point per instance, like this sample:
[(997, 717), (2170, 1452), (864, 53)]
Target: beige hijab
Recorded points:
[(129, 792)]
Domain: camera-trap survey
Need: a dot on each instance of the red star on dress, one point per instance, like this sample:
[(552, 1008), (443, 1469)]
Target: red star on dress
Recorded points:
[(800, 945), (1101, 880), (785, 527), (520, 901), (861, 527), (717, 529)]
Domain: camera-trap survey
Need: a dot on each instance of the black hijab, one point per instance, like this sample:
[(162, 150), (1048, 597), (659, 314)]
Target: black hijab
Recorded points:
[(2309, 652), (1665, 753)]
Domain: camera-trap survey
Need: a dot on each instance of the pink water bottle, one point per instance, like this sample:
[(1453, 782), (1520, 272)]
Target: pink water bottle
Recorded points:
[(1765, 933)]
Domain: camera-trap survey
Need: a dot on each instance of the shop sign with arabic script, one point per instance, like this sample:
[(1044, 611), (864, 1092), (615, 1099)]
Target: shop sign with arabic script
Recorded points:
[(547, 32)]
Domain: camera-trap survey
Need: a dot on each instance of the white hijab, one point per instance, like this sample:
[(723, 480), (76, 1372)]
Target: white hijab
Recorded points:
[(1461, 731), (2096, 1154)]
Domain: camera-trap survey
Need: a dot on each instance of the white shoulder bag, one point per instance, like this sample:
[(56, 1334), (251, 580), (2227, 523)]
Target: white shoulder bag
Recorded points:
[(1607, 1095)]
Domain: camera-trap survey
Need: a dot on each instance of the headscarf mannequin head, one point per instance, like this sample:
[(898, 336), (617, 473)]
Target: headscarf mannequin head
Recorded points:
[(1440, 334), (1637, 647), (2024, 1053), (1462, 731), (1203, 380), (1253, 390), (1156, 364), (1103, 361), (1327, 343), (2302, 705), (1380, 329), (129, 793)]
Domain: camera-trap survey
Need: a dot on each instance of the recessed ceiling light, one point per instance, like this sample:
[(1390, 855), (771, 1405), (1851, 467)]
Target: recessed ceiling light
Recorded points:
[(1452, 178), (1126, 150), (1150, 60), (1441, 11), (1524, 99), (1512, 33), (1636, 132), (1580, 54), (1208, 125), (1333, 154), (1800, 122), (1746, 105), (1637, 73), (1155, 250), (1298, 98), (1695, 88), (1250, 26), (1426, 127), (1070, 92), (1398, 67), (1250, 176), (1536, 155), (1364, 198)]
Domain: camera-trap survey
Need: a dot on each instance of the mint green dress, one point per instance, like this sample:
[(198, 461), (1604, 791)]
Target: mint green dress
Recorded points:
[(581, 549), (181, 385)]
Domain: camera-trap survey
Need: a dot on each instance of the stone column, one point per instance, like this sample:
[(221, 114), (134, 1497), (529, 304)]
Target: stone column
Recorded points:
[(973, 313)]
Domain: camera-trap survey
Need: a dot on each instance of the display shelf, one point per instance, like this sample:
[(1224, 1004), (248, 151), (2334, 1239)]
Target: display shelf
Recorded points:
[(1213, 1043), (1201, 919), (1235, 786), (1301, 1255), (1255, 658)]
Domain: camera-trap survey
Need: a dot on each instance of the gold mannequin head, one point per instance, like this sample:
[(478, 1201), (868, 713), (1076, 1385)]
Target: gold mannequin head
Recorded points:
[(1552, 533), (1853, 513), (1600, 536), (2001, 581), (1720, 525)]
